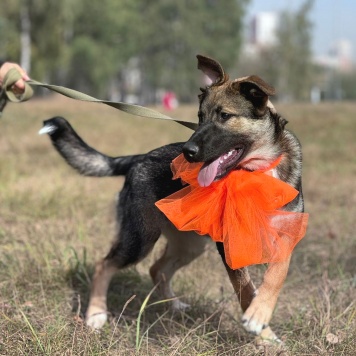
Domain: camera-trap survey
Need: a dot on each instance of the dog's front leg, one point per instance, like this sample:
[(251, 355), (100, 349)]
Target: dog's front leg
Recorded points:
[(240, 280), (258, 315), (256, 304), (181, 249)]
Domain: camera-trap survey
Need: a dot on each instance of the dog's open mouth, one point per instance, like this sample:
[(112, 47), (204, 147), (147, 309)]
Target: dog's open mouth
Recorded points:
[(220, 167)]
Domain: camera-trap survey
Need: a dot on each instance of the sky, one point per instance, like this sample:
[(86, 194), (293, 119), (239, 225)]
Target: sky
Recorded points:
[(332, 19)]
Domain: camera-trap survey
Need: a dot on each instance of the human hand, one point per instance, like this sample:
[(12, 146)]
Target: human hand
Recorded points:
[(19, 86)]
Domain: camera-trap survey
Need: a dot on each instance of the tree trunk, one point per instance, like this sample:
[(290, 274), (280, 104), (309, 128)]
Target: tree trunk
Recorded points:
[(25, 60)]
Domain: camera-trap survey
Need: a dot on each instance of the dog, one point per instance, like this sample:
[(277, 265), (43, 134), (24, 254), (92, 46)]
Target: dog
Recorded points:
[(236, 120)]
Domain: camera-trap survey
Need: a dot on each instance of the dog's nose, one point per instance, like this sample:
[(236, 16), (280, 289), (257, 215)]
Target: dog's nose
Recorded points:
[(190, 151)]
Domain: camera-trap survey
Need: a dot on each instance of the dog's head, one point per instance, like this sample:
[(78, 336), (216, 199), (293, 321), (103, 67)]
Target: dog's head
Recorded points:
[(238, 125)]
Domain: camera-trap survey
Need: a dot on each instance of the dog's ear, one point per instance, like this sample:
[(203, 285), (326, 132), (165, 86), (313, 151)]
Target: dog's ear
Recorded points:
[(256, 90), (212, 69)]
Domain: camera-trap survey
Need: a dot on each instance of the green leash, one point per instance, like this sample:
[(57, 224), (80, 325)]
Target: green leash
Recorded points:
[(13, 76)]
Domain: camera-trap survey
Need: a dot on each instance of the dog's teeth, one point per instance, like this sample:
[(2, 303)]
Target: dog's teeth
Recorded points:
[(226, 156)]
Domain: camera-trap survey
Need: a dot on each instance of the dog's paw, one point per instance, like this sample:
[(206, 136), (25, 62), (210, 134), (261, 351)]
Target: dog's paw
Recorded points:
[(267, 343), (257, 317), (178, 305), (96, 321), (268, 337)]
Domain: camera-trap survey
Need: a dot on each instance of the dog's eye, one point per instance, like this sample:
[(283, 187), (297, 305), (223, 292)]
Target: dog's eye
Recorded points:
[(225, 116)]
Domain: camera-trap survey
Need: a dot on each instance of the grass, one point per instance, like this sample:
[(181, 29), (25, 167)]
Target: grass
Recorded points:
[(54, 225)]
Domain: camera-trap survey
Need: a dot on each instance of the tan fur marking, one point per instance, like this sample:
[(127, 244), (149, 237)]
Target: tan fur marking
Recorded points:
[(100, 284)]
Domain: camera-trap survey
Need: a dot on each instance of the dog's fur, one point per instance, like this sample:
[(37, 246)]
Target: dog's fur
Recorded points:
[(233, 115)]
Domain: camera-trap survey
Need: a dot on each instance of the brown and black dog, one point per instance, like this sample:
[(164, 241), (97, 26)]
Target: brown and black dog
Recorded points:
[(239, 127)]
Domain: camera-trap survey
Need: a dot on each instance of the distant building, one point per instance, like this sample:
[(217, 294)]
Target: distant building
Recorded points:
[(263, 29), (261, 33), (339, 56)]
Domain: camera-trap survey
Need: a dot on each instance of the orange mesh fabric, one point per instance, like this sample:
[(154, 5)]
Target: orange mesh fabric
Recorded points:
[(240, 210)]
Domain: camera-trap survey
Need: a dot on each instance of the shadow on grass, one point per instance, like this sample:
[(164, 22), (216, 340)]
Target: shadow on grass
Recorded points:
[(203, 320)]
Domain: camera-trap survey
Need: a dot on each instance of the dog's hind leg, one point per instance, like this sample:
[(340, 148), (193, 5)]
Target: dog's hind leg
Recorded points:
[(181, 249), (134, 242), (96, 314), (246, 293)]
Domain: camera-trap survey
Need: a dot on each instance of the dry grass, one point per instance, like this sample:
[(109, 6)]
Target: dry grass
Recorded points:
[(54, 224)]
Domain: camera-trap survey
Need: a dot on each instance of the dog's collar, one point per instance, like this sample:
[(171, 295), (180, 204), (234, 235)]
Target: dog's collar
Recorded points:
[(242, 210)]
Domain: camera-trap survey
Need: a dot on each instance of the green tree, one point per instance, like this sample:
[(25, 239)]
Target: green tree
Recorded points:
[(293, 53), (105, 36), (88, 44), (175, 31), (287, 65), (49, 22), (345, 84), (72, 42)]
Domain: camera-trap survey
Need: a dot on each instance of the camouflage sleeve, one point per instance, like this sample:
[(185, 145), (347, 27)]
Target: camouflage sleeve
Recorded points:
[(3, 100)]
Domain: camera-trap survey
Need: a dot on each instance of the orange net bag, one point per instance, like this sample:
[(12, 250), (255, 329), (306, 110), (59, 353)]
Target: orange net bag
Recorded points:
[(240, 210)]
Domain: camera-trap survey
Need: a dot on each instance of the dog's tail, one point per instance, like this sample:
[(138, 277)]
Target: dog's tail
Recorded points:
[(85, 159)]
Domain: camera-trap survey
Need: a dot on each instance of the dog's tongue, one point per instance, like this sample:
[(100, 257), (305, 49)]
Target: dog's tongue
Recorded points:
[(208, 173)]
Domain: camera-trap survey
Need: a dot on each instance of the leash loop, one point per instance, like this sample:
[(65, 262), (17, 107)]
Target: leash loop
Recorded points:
[(13, 76)]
